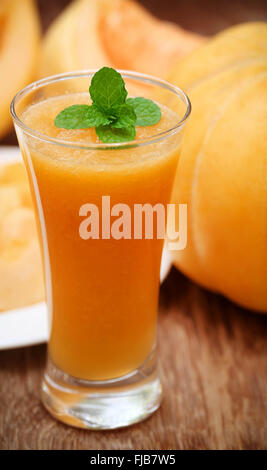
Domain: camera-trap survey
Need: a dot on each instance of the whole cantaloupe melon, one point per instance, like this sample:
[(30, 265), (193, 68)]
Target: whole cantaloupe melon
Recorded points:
[(222, 176), (226, 49)]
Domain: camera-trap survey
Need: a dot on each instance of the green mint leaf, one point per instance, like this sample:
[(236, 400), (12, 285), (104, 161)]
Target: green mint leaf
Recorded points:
[(147, 112), (81, 116), (109, 134), (107, 89), (126, 117), (73, 117)]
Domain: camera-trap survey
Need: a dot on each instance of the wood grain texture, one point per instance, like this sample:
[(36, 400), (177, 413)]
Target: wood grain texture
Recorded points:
[(213, 355), (214, 371)]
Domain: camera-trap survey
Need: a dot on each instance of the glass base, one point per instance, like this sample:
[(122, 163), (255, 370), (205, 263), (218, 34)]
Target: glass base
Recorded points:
[(106, 404)]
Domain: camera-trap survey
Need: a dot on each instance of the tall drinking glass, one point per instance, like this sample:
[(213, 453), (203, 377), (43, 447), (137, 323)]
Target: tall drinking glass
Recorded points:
[(100, 210)]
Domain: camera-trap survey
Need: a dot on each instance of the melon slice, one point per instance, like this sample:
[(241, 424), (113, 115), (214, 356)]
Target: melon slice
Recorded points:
[(19, 46), (20, 259), (118, 33), (134, 39)]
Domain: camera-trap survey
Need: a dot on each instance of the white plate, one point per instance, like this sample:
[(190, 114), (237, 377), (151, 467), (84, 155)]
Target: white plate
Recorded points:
[(27, 326)]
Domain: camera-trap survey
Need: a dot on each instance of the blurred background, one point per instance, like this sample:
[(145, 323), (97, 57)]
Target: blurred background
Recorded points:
[(204, 17)]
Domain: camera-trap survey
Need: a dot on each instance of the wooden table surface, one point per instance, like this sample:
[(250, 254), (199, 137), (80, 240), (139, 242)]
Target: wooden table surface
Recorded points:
[(213, 355)]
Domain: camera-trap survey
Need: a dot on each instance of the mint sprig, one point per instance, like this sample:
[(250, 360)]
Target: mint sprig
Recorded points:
[(111, 113)]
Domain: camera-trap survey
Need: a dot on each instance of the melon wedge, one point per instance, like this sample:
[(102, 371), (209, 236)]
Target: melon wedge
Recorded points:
[(19, 46), (20, 259), (118, 33), (134, 39)]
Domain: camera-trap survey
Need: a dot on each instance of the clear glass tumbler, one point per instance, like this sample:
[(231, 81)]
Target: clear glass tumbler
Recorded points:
[(94, 207)]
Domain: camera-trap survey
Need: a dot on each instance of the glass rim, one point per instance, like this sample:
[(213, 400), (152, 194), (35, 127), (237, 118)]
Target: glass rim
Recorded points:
[(131, 75)]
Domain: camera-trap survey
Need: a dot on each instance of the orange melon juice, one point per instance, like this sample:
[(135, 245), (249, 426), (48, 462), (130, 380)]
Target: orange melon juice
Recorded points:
[(104, 292)]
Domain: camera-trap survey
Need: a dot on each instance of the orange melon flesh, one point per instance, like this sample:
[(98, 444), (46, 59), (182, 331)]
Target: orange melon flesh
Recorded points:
[(19, 46), (149, 45), (90, 33), (20, 261)]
